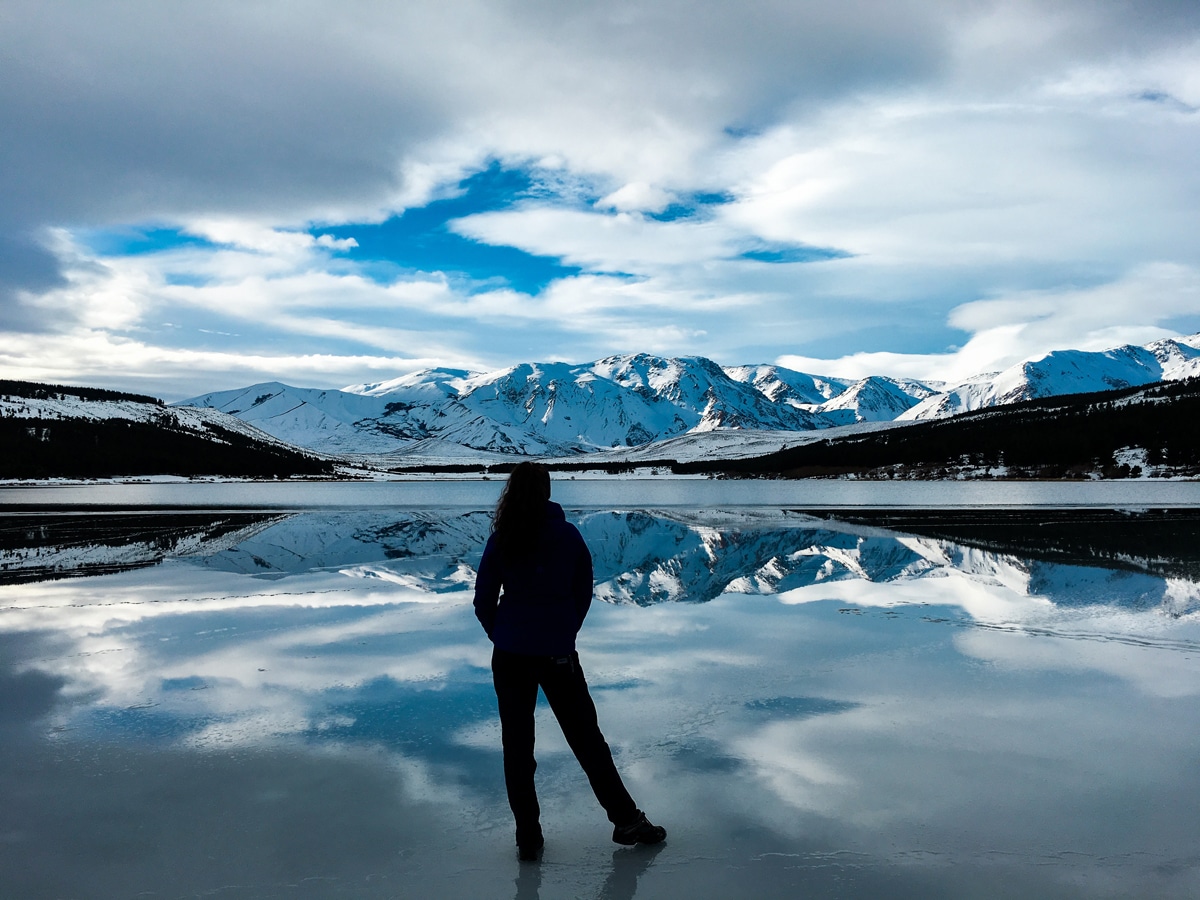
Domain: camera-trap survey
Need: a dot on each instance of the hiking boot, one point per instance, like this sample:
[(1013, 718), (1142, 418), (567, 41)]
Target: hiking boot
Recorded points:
[(531, 850), (639, 831)]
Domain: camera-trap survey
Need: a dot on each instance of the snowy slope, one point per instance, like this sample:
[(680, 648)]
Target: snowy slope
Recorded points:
[(425, 386), (306, 417), (182, 418), (780, 385), (728, 444), (52, 431)]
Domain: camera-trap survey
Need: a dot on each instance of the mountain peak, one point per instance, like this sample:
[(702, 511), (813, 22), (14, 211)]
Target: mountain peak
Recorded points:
[(449, 382)]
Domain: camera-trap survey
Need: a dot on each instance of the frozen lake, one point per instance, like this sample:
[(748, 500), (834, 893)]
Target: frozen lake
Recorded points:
[(287, 695), (611, 493)]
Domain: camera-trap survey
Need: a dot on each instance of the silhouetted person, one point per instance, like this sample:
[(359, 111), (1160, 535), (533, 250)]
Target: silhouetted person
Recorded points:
[(533, 591)]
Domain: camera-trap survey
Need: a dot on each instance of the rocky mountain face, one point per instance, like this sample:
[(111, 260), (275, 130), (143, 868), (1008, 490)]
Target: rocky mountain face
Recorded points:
[(558, 409)]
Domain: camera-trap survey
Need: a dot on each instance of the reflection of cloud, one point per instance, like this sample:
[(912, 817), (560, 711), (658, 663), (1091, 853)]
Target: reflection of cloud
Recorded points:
[(800, 778), (27, 696), (1156, 669), (982, 600), (764, 729), (185, 822), (55, 604)]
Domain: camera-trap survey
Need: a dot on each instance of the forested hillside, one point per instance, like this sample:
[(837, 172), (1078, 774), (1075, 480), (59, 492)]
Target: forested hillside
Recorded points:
[(1153, 430), (49, 431)]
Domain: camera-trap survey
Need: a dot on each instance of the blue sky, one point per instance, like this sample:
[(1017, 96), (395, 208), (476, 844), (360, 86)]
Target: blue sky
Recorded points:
[(201, 196), (423, 239)]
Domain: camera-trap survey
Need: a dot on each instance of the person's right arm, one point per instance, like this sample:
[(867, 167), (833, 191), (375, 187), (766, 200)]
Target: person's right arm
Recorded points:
[(582, 583)]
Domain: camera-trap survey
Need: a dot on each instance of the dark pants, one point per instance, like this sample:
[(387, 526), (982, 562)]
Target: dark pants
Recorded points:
[(517, 678)]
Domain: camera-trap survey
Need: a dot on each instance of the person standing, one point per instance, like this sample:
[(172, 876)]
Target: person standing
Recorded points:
[(532, 592)]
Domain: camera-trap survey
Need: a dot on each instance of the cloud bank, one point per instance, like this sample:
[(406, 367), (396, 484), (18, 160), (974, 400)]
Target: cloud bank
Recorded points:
[(917, 188)]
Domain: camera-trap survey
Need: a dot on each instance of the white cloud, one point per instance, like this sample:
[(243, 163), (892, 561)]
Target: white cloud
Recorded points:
[(625, 242), (636, 196), (987, 166), (1026, 325), (100, 358), (1010, 186), (1154, 291)]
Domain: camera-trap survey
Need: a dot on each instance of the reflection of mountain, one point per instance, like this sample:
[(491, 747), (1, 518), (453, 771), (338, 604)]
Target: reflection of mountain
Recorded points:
[(644, 557), (432, 551), (42, 547), (1163, 542)]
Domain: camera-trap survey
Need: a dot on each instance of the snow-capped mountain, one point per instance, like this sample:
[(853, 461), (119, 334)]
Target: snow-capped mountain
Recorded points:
[(624, 402), (557, 409), (874, 399), (1067, 372), (703, 395), (67, 405)]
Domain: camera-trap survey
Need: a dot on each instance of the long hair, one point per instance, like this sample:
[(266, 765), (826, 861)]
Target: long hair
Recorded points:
[(521, 510)]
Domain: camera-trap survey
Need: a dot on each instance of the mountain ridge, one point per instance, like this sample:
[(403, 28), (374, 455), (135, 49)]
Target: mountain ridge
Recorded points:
[(560, 409)]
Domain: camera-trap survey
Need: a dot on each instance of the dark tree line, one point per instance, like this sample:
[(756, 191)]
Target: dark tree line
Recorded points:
[(36, 391), (159, 534), (104, 448), (85, 448), (1059, 437)]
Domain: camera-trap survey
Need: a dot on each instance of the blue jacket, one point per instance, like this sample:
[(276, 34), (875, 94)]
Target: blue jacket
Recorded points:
[(545, 596)]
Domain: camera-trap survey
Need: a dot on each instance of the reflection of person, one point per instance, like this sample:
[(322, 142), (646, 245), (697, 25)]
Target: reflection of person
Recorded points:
[(543, 567)]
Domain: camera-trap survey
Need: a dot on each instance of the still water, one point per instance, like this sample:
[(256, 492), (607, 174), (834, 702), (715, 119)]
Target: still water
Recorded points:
[(874, 702), (609, 493)]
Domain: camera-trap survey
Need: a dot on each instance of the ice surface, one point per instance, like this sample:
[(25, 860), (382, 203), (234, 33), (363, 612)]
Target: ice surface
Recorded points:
[(303, 708)]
